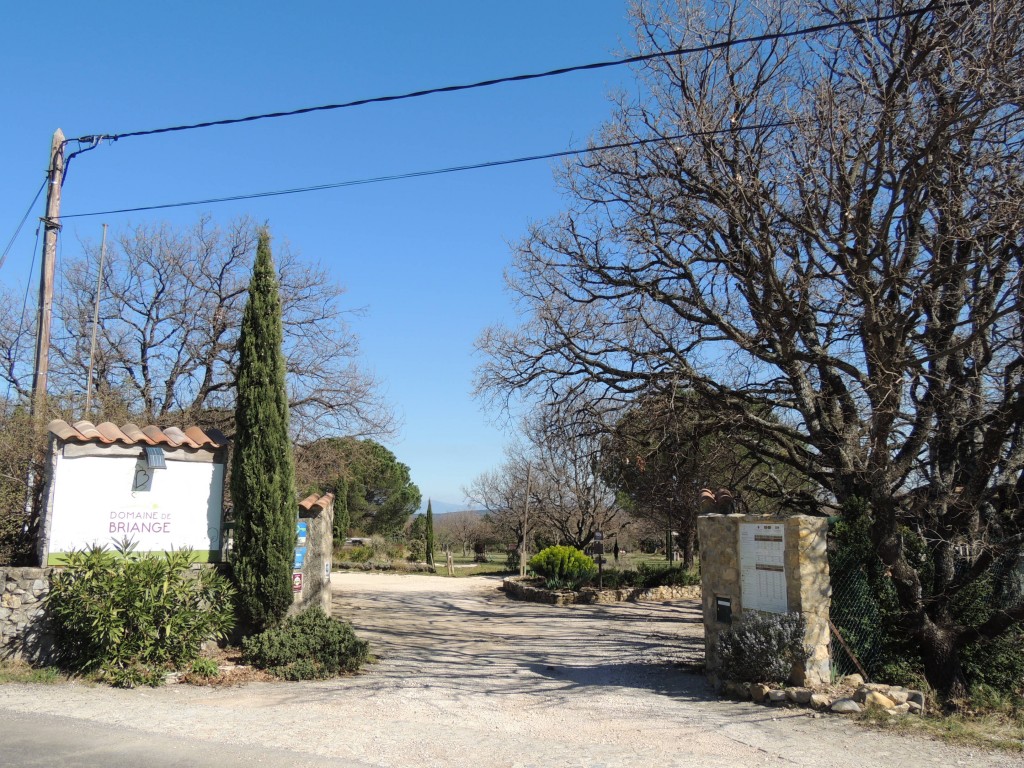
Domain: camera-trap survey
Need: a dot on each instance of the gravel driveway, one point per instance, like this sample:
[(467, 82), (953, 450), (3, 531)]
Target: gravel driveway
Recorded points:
[(466, 677)]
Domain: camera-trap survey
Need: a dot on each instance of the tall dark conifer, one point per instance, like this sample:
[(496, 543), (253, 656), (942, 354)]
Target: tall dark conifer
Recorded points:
[(263, 471), (430, 534), (342, 518)]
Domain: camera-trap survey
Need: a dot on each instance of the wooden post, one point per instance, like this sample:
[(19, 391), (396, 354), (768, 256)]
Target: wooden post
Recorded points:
[(526, 520), (51, 223), (95, 324)]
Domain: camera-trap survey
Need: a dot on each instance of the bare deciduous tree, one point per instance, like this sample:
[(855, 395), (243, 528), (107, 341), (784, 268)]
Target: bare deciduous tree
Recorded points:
[(170, 310), (560, 469), (502, 493), (574, 500), (462, 528), (825, 230)]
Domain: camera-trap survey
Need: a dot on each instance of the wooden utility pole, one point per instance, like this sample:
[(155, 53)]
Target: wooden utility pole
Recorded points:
[(526, 520), (51, 224)]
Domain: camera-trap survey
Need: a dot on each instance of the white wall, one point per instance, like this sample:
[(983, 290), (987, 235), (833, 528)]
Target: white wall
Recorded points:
[(102, 499)]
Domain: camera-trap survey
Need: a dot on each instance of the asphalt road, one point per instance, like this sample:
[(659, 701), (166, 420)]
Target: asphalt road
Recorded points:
[(48, 741)]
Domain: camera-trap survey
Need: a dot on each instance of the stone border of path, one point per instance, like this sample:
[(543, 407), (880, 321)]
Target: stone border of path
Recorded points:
[(517, 588), (854, 695)]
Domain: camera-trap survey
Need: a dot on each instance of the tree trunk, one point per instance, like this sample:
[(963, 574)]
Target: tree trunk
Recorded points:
[(940, 649), (688, 548)]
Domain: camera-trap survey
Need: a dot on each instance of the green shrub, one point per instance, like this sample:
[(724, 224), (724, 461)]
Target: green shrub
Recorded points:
[(359, 554), (616, 579), (205, 668), (417, 550), (563, 567), (376, 549), (648, 577), (512, 560), (762, 647), (309, 646), (666, 576), (133, 617), (11, 539)]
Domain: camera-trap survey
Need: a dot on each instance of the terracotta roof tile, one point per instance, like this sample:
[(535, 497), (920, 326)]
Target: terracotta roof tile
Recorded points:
[(130, 434), (155, 434), (110, 432), (177, 437), (212, 437), (313, 500), (134, 434), (88, 430), (62, 429)]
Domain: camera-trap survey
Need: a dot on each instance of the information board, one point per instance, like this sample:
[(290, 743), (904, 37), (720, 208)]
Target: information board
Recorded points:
[(102, 500), (763, 567)]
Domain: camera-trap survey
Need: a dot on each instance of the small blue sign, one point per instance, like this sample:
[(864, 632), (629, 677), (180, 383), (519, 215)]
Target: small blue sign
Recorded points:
[(300, 532), (300, 558)]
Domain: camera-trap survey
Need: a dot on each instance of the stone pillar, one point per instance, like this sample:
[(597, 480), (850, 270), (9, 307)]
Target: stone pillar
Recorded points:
[(810, 591), (800, 559), (312, 576)]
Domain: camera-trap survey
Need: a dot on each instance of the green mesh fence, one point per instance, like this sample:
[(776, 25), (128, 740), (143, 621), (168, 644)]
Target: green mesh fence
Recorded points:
[(858, 616), (864, 607), (865, 612)]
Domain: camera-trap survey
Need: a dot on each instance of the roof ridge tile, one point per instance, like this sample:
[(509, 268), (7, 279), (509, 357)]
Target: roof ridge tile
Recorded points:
[(107, 432)]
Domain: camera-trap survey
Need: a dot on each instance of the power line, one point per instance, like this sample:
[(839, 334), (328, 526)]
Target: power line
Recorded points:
[(21, 321), (728, 43), (433, 171), (17, 231)]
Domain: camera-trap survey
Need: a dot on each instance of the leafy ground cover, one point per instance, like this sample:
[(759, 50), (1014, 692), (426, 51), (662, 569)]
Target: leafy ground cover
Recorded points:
[(990, 728), (21, 672)]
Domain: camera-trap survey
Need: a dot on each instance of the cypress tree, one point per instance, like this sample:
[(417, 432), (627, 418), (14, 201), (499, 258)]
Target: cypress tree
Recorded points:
[(430, 534), (342, 519), (263, 471)]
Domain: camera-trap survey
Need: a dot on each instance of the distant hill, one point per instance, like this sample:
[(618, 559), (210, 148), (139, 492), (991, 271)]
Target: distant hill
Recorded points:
[(478, 512), (444, 507)]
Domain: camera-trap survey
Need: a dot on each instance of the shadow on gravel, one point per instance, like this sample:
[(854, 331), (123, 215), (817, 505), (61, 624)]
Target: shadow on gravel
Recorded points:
[(483, 642), (664, 679)]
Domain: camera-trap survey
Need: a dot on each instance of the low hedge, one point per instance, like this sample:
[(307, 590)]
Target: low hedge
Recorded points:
[(648, 577)]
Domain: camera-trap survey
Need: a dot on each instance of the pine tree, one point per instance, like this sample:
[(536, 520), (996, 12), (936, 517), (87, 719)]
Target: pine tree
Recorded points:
[(263, 471), (430, 534)]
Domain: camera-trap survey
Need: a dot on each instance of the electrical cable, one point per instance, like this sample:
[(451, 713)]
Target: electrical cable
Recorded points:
[(21, 322), (17, 231), (728, 43), (431, 172)]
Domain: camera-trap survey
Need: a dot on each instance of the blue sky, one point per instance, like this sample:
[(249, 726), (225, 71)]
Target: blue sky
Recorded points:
[(424, 256)]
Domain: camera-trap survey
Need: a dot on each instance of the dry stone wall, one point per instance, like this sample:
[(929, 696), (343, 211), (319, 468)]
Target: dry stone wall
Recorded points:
[(798, 565), (24, 633)]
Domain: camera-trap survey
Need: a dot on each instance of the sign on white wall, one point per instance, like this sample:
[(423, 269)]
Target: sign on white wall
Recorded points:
[(763, 567), (105, 499)]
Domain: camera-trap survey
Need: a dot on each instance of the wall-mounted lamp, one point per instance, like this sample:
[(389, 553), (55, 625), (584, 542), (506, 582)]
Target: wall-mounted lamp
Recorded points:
[(155, 457)]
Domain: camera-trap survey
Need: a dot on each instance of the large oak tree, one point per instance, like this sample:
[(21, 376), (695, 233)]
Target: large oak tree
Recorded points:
[(820, 236)]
